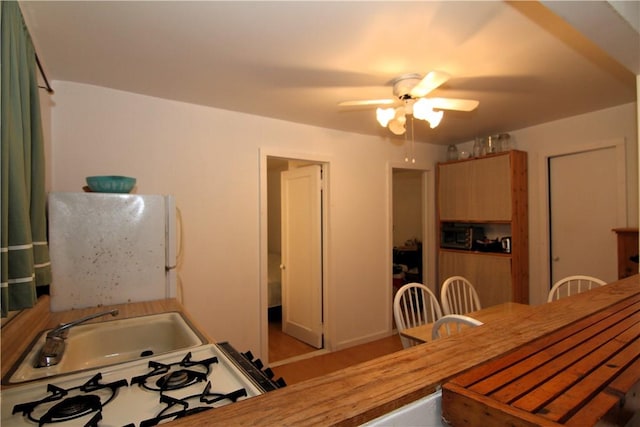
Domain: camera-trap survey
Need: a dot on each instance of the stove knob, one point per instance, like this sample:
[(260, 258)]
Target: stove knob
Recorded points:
[(281, 383), (248, 355), (269, 373), (258, 363)]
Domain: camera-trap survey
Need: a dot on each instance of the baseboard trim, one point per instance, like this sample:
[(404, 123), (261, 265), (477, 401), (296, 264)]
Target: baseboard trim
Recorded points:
[(300, 357), (363, 340)]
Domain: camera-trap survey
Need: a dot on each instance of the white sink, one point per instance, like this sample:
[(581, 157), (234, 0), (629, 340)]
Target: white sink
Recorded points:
[(95, 345)]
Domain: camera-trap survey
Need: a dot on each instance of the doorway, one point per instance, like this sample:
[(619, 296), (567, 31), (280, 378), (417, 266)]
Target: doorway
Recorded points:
[(295, 220), (587, 199), (408, 226)]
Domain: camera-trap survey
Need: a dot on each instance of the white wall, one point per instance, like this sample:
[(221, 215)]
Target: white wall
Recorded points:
[(209, 159)]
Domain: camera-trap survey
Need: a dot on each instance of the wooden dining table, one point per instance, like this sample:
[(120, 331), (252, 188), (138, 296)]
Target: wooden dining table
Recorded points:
[(494, 313)]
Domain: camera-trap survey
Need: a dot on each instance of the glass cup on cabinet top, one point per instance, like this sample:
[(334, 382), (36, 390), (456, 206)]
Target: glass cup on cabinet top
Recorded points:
[(462, 155), (493, 144), (479, 148), (452, 152), (504, 140)]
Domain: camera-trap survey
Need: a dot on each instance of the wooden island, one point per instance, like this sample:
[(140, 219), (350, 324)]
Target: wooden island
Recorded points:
[(366, 391)]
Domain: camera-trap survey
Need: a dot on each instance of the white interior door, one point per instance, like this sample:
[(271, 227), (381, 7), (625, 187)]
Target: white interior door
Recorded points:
[(583, 210), (301, 198)]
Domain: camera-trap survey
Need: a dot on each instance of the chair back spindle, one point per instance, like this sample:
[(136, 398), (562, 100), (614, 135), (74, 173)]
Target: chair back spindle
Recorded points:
[(458, 296), (573, 285), (414, 305)]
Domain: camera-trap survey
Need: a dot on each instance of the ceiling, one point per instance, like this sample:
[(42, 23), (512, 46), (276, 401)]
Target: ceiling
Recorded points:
[(297, 60)]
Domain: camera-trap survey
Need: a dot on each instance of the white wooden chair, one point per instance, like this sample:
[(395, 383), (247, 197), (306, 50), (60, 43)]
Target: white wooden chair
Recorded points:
[(414, 305), (458, 296), (452, 324), (573, 285)]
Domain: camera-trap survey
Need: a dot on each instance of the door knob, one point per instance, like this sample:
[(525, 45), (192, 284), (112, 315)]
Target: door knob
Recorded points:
[(556, 259)]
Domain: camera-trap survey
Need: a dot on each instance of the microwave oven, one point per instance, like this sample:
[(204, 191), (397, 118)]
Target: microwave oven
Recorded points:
[(460, 236)]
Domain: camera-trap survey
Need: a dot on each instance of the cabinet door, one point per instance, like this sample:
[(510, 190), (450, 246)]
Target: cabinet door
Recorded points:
[(489, 274), (454, 190), (491, 192), (475, 190)]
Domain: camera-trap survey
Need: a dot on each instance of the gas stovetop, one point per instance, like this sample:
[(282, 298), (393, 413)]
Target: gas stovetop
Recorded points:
[(141, 393)]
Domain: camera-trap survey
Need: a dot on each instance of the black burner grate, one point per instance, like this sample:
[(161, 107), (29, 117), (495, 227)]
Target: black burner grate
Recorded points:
[(179, 408), (173, 376), (71, 403)]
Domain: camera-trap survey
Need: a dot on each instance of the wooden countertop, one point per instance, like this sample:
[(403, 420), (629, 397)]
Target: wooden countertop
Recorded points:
[(363, 392)]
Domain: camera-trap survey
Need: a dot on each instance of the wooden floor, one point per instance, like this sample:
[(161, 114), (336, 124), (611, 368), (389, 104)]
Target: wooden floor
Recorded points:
[(301, 370), (283, 346)]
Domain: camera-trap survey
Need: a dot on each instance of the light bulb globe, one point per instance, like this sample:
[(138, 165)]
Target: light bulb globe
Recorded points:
[(383, 115), (396, 126)]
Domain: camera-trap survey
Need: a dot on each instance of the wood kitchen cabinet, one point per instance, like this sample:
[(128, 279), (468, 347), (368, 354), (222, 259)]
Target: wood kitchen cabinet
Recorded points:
[(491, 192), (489, 273), (475, 190)]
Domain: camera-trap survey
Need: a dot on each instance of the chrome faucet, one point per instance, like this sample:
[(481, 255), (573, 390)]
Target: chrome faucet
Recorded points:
[(53, 348)]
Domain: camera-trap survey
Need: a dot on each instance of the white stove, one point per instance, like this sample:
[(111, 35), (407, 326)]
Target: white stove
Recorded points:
[(146, 392)]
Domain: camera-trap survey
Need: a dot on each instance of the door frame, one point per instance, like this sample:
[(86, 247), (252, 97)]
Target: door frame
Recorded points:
[(429, 273), (542, 166), (325, 162)]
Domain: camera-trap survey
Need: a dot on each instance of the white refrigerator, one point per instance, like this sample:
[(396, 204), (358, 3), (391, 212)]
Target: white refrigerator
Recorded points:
[(110, 248)]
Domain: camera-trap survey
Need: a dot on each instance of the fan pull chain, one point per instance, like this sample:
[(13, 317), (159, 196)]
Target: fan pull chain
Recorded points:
[(406, 148), (413, 142)]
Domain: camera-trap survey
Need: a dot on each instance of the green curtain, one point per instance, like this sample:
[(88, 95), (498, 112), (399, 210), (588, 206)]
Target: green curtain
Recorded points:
[(25, 252)]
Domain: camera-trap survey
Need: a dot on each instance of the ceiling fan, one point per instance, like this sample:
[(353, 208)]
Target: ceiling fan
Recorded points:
[(410, 92)]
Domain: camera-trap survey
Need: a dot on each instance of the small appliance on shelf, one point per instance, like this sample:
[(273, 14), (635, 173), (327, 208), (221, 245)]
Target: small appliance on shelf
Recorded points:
[(460, 236)]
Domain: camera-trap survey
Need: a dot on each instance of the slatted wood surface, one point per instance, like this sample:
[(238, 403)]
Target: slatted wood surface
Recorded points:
[(580, 375)]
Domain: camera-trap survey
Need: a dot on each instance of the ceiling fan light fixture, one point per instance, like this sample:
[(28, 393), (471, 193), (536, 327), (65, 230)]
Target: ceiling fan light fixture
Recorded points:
[(410, 90), (423, 110), (393, 118), (435, 118), (384, 115), (396, 126)]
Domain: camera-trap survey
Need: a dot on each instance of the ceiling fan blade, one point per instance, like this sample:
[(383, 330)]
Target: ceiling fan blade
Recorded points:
[(367, 102), (428, 83), (454, 104)]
